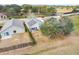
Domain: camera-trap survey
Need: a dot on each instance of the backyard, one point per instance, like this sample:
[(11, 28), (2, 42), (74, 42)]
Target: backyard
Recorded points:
[(73, 39), (65, 45)]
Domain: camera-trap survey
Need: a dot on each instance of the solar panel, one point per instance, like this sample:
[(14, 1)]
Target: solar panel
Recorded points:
[(17, 23), (32, 22)]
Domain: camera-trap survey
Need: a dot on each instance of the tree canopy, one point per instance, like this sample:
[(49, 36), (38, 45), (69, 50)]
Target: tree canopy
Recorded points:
[(20, 10), (54, 27)]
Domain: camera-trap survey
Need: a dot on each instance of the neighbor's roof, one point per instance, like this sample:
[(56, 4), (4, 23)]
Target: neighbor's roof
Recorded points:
[(9, 23), (33, 21), (1, 14)]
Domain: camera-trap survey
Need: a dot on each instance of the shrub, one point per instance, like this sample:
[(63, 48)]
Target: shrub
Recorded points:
[(67, 25), (54, 27)]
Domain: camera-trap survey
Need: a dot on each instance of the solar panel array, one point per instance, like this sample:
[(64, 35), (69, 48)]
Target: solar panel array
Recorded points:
[(17, 23), (32, 22)]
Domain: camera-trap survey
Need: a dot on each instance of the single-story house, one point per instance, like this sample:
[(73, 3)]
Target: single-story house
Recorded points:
[(34, 23), (3, 16), (11, 27), (14, 26)]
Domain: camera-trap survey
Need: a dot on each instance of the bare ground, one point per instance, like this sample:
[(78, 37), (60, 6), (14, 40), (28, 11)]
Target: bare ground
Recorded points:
[(67, 45), (70, 45)]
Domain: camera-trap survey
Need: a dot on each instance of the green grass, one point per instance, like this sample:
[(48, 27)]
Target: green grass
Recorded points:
[(75, 20)]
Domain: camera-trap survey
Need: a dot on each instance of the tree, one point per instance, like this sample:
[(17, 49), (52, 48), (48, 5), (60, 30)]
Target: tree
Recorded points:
[(6, 7), (67, 25), (54, 27), (25, 8), (50, 28), (34, 9), (12, 10), (1, 8), (43, 9), (51, 10), (17, 8)]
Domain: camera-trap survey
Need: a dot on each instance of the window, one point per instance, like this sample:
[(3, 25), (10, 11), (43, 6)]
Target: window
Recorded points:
[(35, 28), (32, 22), (0, 36), (1, 16), (7, 33), (4, 17), (14, 31)]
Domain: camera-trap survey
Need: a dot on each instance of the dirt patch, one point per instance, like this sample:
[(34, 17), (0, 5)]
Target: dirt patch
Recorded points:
[(17, 39), (44, 45)]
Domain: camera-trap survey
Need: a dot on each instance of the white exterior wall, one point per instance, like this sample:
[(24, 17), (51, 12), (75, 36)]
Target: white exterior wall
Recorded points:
[(10, 31), (3, 17), (35, 25)]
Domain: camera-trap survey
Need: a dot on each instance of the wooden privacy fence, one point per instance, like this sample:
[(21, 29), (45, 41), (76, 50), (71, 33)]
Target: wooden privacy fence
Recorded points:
[(15, 47)]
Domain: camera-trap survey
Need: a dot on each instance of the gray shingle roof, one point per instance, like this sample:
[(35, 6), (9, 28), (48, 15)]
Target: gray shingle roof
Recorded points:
[(18, 23), (9, 23), (31, 22)]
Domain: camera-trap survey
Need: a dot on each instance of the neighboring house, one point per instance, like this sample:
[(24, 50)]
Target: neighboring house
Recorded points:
[(3, 18), (34, 23), (11, 27)]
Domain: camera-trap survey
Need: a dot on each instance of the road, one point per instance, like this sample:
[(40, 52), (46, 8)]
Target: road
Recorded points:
[(70, 14)]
